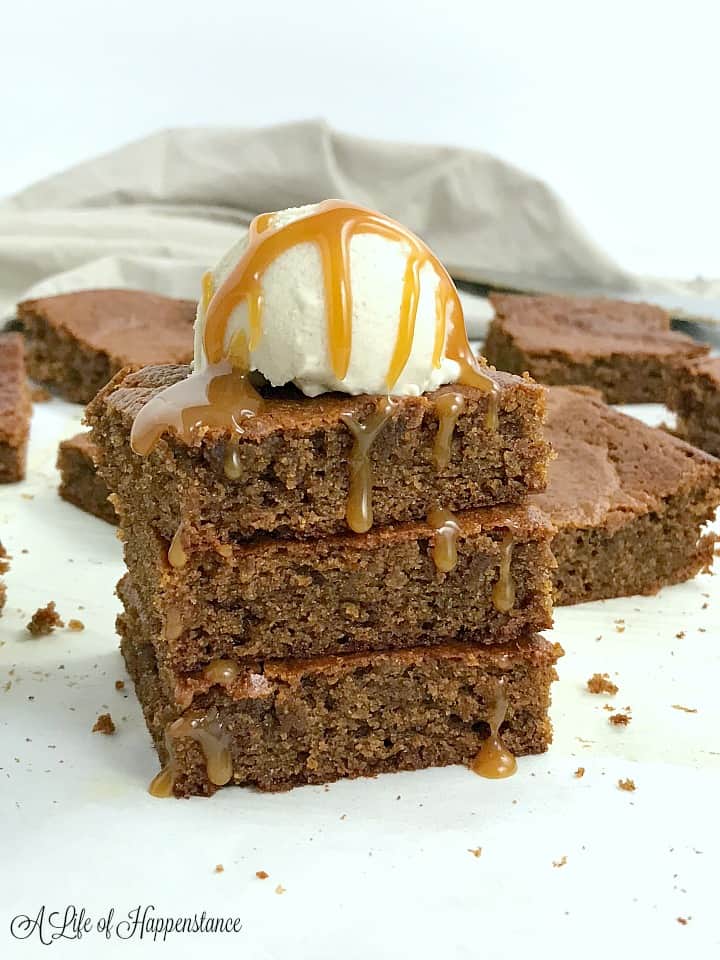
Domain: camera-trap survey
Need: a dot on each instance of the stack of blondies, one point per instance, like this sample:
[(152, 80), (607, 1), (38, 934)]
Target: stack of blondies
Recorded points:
[(271, 645)]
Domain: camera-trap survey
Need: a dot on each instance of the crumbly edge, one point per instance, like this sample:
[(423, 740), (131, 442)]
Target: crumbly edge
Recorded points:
[(58, 360), (14, 435), (13, 461), (380, 717), (694, 432), (297, 485), (649, 552), (80, 484)]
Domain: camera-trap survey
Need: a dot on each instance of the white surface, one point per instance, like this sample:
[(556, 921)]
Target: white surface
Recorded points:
[(294, 346), (613, 103), (371, 868)]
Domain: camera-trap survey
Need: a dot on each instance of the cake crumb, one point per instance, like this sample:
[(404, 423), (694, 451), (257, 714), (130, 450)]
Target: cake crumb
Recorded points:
[(619, 719), (104, 724), (119, 684), (279, 888), (561, 862), (75, 625), (477, 852), (580, 772), (219, 868), (679, 706), (261, 875), (680, 635), (601, 683), (44, 621), (628, 785)]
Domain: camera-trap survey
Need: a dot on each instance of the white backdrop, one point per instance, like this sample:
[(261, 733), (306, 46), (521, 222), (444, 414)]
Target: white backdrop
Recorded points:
[(614, 103)]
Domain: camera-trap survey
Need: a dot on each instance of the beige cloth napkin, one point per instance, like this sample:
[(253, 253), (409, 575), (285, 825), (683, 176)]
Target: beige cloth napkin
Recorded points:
[(154, 214)]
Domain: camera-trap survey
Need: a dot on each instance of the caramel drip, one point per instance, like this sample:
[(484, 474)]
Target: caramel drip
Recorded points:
[(221, 671), (448, 407), (219, 396), (457, 348), (208, 289), (176, 554), (504, 590), (206, 730), (406, 323), (493, 760), (232, 465), (359, 510), (173, 624), (447, 531)]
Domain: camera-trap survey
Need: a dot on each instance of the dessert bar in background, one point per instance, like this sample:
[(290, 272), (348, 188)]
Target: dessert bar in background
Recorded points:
[(629, 502), (625, 350), (335, 577), (77, 341), (80, 483), (695, 398), (15, 408)]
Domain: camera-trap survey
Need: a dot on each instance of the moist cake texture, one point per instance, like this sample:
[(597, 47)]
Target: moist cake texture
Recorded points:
[(378, 591), (80, 483), (293, 459), (15, 409), (288, 722), (629, 502), (625, 350), (695, 398), (77, 341)]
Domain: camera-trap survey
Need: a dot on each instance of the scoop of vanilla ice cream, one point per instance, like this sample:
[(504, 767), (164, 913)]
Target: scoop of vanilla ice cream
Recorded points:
[(294, 342)]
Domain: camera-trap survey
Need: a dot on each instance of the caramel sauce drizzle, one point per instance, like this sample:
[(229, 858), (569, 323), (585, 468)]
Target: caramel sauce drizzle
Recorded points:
[(222, 672), (447, 531), (176, 553), (207, 290), (448, 407), (359, 510), (503, 594), (220, 396), (206, 730), (493, 760)]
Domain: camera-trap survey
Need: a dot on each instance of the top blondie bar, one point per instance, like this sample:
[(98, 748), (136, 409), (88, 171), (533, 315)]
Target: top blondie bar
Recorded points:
[(333, 387), (290, 472)]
